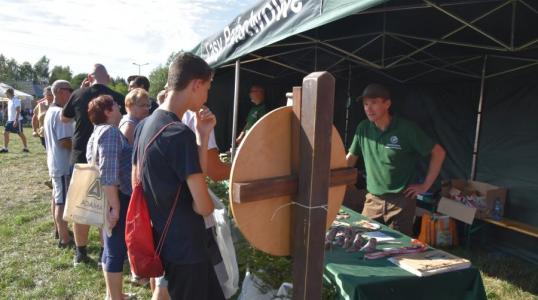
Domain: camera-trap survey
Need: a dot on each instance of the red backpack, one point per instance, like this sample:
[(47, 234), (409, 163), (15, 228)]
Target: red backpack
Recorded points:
[(144, 257)]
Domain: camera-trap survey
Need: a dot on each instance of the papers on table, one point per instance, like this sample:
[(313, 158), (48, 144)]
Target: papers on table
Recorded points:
[(378, 235), (430, 262)]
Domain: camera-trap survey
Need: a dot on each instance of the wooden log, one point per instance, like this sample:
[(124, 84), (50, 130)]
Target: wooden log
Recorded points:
[(262, 189)]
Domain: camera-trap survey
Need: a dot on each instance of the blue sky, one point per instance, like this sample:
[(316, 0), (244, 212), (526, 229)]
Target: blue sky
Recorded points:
[(116, 33)]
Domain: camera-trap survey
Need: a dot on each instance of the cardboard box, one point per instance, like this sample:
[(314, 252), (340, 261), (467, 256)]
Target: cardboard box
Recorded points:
[(487, 194)]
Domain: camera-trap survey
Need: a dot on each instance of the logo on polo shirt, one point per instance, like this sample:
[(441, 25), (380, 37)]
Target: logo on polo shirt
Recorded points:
[(393, 143)]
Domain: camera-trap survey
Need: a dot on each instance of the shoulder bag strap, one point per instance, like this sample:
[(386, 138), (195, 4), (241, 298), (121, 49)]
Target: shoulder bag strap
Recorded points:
[(160, 244)]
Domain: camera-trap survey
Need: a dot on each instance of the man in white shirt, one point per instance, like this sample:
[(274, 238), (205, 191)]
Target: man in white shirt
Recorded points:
[(14, 118), (58, 143)]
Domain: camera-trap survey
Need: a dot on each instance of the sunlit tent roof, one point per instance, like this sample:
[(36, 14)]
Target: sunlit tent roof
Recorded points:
[(404, 40)]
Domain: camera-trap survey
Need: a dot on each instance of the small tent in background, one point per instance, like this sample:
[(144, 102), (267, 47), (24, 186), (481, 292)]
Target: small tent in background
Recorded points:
[(26, 99)]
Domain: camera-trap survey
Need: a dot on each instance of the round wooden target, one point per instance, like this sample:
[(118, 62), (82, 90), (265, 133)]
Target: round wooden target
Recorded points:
[(264, 153)]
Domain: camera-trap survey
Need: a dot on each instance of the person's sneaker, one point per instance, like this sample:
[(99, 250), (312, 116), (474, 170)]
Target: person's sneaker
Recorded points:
[(126, 296), (80, 258), (4, 150), (70, 244), (25, 150), (129, 296), (138, 281)]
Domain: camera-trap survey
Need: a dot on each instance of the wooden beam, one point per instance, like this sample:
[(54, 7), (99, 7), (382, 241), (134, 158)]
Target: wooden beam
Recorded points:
[(309, 218), (284, 186), (264, 189), (514, 225)]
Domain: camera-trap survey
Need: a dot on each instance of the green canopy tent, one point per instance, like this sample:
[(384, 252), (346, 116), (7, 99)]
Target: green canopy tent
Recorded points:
[(463, 70)]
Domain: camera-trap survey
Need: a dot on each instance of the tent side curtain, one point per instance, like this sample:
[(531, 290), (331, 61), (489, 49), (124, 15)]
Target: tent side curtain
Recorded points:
[(271, 21)]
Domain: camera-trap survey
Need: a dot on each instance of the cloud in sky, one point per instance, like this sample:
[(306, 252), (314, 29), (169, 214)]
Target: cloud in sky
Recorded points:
[(113, 32)]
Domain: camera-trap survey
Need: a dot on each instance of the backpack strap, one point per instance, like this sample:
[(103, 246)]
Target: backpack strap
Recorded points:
[(140, 163), (160, 244)]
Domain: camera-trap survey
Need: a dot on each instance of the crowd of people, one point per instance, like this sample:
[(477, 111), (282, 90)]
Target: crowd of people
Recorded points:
[(95, 124), (168, 145)]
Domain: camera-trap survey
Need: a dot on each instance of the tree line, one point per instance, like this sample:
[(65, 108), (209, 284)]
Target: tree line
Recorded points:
[(40, 73)]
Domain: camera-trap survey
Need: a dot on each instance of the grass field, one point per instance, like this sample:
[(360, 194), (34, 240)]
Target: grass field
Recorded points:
[(32, 266)]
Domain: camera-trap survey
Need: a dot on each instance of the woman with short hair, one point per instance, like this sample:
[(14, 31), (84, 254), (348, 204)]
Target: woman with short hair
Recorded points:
[(137, 105), (113, 157)]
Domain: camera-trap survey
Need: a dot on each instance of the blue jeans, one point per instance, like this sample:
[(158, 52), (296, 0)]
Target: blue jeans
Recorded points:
[(115, 251)]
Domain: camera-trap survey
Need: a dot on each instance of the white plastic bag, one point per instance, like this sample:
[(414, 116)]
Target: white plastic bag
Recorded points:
[(251, 289), (223, 237)]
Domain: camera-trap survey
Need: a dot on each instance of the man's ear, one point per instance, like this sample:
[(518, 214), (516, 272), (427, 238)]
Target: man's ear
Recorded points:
[(197, 84)]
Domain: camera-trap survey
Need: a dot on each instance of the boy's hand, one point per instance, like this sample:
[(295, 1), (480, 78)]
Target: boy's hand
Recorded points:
[(205, 121)]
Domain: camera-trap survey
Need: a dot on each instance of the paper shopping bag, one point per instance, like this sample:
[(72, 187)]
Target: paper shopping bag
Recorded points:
[(85, 203)]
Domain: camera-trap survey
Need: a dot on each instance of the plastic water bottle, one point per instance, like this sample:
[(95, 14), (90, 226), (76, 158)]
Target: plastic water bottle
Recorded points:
[(497, 210)]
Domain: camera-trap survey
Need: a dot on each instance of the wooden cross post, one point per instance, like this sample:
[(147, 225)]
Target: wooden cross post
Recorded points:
[(281, 180), (314, 112)]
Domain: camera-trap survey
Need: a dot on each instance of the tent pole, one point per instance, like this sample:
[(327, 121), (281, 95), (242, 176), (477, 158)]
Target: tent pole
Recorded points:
[(468, 24), (513, 25), (347, 53), (269, 56), (384, 40), (348, 105), (280, 64), (512, 70), (316, 58), (421, 6), (442, 68), (450, 34), (478, 119), (447, 42), (354, 51), (236, 107), (527, 45)]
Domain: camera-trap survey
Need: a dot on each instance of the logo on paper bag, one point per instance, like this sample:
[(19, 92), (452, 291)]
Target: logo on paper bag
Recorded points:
[(393, 143), (95, 190), (94, 201)]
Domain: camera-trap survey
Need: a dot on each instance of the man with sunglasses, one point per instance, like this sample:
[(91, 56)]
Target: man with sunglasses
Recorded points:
[(58, 143)]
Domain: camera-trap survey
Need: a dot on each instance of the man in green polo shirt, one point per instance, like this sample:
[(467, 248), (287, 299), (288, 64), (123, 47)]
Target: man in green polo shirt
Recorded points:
[(257, 97), (390, 147)]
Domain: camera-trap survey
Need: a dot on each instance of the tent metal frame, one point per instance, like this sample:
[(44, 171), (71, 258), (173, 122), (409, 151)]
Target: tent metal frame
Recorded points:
[(383, 65)]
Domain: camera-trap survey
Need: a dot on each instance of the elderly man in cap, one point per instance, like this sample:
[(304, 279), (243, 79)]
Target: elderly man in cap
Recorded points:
[(58, 143), (389, 146), (77, 109)]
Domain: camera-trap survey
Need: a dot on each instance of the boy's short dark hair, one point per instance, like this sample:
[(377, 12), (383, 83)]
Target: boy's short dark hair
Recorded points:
[(140, 81), (131, 78), (187, 67), (10, 91)]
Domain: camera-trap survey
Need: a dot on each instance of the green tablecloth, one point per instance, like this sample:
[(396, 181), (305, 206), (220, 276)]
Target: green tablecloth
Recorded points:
[(357, 278)]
